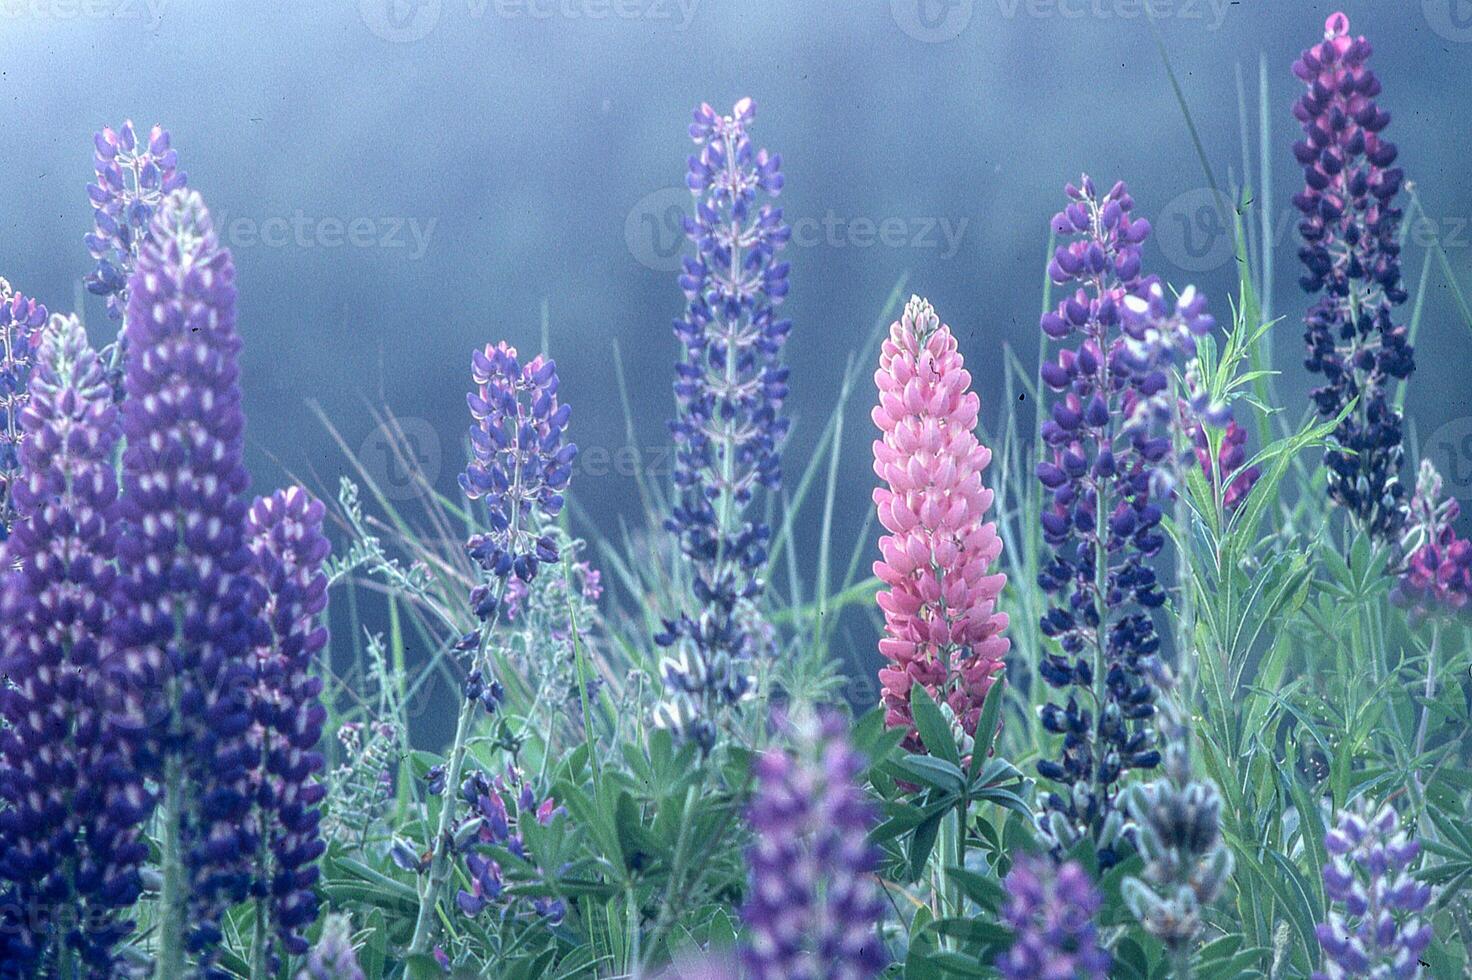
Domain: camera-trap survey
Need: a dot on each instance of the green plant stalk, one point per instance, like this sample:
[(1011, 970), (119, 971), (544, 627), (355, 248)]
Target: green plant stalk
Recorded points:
[(1428, 692), (260, 967), (175, 891)]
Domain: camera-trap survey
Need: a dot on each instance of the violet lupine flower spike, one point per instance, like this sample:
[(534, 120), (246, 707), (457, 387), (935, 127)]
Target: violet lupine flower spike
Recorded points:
[(284, 532), (1351, 253), (521, 466), (728, 428), (1100, 520), (942, 628), (1051, 913), (333, 957), (70, 806), (21, 319), (1374, 927), (187, 622), (813, 906), (1436, 578)]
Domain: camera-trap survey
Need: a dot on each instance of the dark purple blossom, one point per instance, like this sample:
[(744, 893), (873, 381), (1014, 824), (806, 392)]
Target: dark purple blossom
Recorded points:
[(284, 532), (728, 428), (1351, 255), (1051, 913), (1102, 474), (186, 620), (70, 806), (20, 329), (1374, 928), (1436, 577), (812, 907), (498, 808)]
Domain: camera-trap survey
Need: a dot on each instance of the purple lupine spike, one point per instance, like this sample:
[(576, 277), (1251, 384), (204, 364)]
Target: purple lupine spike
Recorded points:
[(333, 957), (70, 806), (728, 429), (498, 808), (1051, 913), (1351, 254), (186, 619), (134, 175), (20, 328), (1374, 928), (812, 907), (285, 535), (1436, 578), (1101, 474)]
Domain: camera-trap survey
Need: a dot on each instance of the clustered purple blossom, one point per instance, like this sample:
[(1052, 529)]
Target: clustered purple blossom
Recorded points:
[(813, 906), (1101, 471), (521, 466), (284, 532), (21, 319), (1437, 574), (70, 806), (134, 176), (333, 956), (1051, 913), (1229, 470), (498, 806), (728, 428), (1374, 928), (1351, 254), (187, 622)]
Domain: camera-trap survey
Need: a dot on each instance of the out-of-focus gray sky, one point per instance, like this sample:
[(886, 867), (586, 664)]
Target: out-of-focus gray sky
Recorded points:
[(404, 179)]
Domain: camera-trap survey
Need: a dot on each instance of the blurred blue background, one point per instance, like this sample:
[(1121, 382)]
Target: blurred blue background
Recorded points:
[(402, 180)]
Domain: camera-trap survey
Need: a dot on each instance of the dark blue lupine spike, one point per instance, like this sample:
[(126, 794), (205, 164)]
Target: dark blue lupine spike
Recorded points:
[(20, 327), (285, 534), (728, 429), (1351, 254), (187, 619), (1101, 455), (70, 807)]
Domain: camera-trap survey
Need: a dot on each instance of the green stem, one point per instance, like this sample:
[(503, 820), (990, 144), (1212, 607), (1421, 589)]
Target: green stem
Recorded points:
[(439, 869), (1428, 692), (260, 960), (175, 893)]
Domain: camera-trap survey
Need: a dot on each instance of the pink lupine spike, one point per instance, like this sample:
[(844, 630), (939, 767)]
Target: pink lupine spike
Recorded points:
[(941, 626)]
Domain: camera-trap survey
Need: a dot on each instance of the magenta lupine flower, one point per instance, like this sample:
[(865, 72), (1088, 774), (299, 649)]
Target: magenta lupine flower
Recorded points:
[(187, 622), (20, 332), (1051, 912), (284, 532), (1230, 456), (1374, 927), (813, 906), (942, 627), (70, 806), (1351, 253), (1437, 576)]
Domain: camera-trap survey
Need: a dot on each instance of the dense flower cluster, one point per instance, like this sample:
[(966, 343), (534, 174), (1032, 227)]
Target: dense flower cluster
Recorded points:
[(498, 807), (20, 328), (1051, 913), (1102, 466), (1437, 575), (285, 535), (69, 805), (333, 956), (1374, 928), (187, 621), (813, 904), (1231, 456), (134, 176), (1351, 254), (942, 627), (728, 430), (521, 465)]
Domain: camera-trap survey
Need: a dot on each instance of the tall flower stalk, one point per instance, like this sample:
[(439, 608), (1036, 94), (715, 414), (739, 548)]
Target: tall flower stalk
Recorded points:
[(1051, 913), (187, 621), (21, 319), (1101, 519), (70, 805), (942, 627), (521, 467), (285, 535), (1351, 255), (728, 429)]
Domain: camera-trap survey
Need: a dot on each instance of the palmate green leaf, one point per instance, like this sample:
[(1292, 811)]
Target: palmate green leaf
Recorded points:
[(987, 727), (930, 771), (985, 891), (947, 963), (932, 726)]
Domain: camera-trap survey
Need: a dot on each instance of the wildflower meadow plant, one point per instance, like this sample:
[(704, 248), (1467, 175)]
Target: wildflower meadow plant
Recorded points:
[(1051, 913), (21, 319), (728, 428)]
